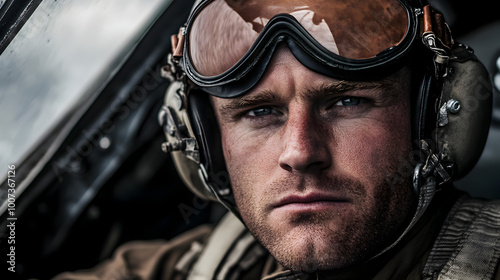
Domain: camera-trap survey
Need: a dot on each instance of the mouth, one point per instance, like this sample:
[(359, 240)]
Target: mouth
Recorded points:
[(311, 202)]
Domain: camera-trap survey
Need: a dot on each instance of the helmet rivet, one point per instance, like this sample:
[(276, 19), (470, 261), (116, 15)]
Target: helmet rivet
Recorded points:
[(453, 106)]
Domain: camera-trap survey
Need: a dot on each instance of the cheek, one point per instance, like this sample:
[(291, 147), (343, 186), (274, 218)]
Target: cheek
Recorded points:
[(242, 175), (248, 150), (373, 148), (252, 162), (246, 157), (233, 148), (231, 145)]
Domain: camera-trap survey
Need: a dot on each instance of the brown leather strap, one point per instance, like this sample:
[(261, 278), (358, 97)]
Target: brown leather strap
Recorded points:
[(178, 44), (434, 23)]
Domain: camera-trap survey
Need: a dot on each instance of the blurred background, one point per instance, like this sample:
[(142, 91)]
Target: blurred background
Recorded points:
[(80, 88)]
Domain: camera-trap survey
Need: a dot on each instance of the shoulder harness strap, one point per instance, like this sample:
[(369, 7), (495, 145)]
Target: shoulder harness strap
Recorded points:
[(227, 231), (230, 250), (468, 246)]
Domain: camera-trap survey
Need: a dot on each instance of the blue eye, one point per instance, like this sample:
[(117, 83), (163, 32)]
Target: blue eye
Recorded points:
[(262, 111), (348, 101)]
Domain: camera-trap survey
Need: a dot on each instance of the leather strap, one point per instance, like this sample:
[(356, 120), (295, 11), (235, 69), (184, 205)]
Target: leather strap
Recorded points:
[(434, 23)]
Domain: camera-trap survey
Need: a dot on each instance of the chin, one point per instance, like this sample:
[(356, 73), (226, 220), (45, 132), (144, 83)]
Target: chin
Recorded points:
[(304, 261), (311, 250)]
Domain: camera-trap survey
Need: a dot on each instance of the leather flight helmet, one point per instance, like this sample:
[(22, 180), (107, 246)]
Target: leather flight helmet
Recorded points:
[(452, 102)]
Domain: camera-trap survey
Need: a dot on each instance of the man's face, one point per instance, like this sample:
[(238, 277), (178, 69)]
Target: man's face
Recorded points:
[(319, 166)]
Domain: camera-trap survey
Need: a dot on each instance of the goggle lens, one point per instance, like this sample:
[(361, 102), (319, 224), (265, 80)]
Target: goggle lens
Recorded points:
[(224, 30)]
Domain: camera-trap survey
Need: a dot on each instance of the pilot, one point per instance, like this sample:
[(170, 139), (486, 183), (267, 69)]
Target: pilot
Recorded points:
[(332, 131)]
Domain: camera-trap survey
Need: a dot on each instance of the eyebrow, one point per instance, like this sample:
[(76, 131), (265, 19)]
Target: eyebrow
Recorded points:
[(333, 88), (251, 100), (340, 87)]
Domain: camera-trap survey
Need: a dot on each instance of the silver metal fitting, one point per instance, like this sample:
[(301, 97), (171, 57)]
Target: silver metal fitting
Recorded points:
[(453, 106)]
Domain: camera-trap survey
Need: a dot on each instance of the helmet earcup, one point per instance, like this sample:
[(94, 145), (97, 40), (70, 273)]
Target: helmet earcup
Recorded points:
[(207, 134), (464, 111), (193, 139), (452, 113), (176, 124)]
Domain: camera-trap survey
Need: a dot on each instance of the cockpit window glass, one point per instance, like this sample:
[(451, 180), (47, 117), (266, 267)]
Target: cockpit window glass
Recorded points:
[(62, 52)]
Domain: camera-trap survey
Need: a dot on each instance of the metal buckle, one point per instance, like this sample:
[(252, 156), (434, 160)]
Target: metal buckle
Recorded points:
[(175, 129), (437, 38), (433, 164)]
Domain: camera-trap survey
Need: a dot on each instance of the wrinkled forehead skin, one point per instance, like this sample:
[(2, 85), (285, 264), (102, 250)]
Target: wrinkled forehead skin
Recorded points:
[(225, 30)]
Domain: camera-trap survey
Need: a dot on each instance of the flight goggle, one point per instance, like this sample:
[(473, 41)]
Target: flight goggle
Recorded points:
[(226, 45)]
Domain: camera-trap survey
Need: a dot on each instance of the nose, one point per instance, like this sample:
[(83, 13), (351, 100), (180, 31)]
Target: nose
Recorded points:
[(305, 145)]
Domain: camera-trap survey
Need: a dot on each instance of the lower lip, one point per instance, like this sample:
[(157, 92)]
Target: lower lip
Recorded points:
[(313, 206)]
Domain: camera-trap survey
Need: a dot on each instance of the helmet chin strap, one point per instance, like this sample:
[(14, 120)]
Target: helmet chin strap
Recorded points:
[(425, 194)]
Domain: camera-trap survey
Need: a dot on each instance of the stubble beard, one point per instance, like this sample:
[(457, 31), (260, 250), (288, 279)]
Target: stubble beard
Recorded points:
[(317, 245)]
